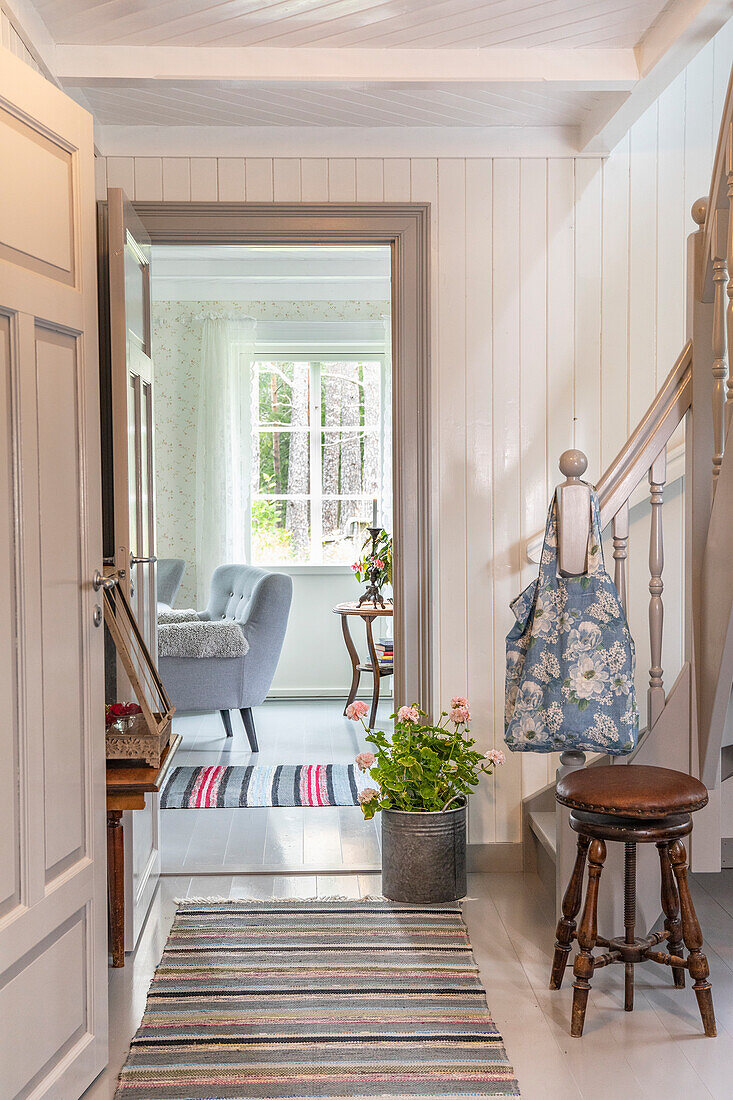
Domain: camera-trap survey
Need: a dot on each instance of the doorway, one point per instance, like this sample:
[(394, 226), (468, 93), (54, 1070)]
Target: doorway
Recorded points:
[(285, 374), (273, 447)]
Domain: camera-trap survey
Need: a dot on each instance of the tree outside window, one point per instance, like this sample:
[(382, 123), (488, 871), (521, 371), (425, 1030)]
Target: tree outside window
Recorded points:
[(317, 458)]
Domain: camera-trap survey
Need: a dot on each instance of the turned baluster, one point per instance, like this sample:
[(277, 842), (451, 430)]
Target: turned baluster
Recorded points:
[(729, 316), (720, 369), (657, 479), (620, 550)]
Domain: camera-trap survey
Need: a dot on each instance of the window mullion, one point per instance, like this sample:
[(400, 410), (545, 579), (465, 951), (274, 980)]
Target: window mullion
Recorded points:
[(316, 473)]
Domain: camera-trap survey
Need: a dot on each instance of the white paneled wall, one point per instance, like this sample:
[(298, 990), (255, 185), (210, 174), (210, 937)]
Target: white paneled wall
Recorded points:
[(558, 308)]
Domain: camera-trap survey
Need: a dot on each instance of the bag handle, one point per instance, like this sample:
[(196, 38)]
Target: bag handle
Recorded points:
[(548, 562)]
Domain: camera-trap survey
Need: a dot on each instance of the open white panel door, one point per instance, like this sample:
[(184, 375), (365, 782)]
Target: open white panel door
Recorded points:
[(53, 896), (130, 496)]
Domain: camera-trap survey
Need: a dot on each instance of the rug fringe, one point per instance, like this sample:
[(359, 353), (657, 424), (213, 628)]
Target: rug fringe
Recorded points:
[(270, 901)]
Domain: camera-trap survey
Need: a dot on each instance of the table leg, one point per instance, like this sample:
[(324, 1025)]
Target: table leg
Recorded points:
[(355, 674), (116, 886), (375, 667)]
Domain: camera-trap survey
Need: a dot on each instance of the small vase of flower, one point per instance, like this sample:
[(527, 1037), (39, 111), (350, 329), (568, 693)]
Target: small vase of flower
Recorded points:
[(422, 777), (121, 716), (375, 565)]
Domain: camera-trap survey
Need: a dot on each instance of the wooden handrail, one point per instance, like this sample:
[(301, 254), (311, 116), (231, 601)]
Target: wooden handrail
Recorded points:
[(648, 440), (718, 197)]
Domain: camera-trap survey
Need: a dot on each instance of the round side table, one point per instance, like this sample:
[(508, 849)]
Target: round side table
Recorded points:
[(368, 612)]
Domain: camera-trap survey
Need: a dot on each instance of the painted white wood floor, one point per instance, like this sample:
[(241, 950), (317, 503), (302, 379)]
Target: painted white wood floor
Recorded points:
[(297, 839), (657, 1052)]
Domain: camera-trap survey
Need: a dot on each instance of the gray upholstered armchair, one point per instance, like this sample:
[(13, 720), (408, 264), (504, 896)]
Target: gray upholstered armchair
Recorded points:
[(169, 574), (260, 603)]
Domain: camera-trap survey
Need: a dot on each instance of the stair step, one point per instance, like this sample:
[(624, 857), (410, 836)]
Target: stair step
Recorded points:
[(544, 826)]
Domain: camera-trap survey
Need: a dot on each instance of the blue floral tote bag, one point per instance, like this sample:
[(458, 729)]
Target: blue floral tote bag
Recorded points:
[(570, 658)]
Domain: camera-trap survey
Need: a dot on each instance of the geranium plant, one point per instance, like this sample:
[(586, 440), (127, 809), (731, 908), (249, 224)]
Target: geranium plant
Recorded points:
[(380, 560), (425, 767)]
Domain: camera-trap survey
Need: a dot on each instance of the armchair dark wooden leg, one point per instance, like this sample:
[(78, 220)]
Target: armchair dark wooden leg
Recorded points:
[(249, 728), (697, 963), (571, 903), (587, 935), (671, 910), (227, 720)]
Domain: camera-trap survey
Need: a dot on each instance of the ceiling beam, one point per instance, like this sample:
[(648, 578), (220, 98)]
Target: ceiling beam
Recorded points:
[(337, 141), (670, 44), (594, 70)]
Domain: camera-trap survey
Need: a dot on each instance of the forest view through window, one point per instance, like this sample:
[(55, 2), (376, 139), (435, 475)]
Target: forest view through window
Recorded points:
[(320, 457)]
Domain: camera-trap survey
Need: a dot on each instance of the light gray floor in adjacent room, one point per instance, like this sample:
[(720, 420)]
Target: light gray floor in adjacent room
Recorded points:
[(657, 1052), (333, 838)]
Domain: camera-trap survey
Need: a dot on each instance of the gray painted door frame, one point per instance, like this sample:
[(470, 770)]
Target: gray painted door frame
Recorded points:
[(405, 227)]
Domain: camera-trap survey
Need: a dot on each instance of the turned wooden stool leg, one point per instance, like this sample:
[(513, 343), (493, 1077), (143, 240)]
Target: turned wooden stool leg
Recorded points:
[(671, 910), (629, 919), (587, 934), (570, 908), (691, 934)]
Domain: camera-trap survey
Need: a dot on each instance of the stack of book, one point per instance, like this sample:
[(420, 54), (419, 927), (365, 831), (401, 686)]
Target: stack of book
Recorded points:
[(385, 652)]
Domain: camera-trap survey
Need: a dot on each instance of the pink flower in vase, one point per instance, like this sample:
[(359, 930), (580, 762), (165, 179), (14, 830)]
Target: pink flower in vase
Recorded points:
[(355, 567), (378, 563), (365, 761), (357, 710)]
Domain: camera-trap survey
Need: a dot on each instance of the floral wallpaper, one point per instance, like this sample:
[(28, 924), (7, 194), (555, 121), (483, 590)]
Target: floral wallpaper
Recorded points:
[(177, 329)]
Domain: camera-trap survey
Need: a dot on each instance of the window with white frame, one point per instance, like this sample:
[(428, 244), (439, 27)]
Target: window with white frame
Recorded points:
[(320, 456)]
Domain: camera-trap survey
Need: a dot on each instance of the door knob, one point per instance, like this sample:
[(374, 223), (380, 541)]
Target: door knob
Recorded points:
[(134, 560), (98, 581)]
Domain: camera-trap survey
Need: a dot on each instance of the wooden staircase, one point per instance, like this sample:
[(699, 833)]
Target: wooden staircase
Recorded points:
[(689, 725)]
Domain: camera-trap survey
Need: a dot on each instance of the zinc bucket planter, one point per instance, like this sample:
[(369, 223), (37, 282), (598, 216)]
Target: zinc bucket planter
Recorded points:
[(424, 855)]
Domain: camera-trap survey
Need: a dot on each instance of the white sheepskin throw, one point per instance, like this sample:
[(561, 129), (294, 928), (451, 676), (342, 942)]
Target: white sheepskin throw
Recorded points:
[(169, 615), (202, 639)]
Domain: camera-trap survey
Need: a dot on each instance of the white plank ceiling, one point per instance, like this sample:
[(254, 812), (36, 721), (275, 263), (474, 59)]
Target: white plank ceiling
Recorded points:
[(354, 23), (202, 103), (530, 77)]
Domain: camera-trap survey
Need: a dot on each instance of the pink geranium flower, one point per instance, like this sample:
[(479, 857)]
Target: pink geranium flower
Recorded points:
[(460, 715), (496, 756), (459, 701), (367, 795), (356, 710), (365, 761), (408, 714)]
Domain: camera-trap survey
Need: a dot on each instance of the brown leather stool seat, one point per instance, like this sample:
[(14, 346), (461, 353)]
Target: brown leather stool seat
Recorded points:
[(632, 803), (631, 790)]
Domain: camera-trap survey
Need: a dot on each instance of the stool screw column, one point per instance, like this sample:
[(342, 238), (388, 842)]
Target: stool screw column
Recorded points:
[(570, 908), (671, 910), (629, 919), (587, 935), (697, 963)]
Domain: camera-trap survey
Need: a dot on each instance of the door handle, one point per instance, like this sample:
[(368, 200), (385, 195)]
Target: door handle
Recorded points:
[(134, 560), (98, 581)]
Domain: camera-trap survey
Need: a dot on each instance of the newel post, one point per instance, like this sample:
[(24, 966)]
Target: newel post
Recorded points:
[(573, 532)]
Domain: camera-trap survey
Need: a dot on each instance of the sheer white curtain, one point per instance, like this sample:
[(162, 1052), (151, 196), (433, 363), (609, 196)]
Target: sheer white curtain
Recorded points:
[(223, 446), (385, 517)]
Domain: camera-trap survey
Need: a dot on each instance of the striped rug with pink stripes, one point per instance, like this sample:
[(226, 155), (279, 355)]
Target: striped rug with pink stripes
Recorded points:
[(224, 786)]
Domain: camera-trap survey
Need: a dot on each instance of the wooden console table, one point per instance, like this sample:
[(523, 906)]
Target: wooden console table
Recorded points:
[(127, 785), (368, 612)]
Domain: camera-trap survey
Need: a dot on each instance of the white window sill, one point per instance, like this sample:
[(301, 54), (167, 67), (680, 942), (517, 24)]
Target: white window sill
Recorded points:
[(307, 570)]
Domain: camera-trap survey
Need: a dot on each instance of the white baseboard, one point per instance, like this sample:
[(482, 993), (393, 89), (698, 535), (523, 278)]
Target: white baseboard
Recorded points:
[(321, 693)]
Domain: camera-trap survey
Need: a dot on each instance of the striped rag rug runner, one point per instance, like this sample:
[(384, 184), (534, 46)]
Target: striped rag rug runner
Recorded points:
[(224, 786), (301, 999)]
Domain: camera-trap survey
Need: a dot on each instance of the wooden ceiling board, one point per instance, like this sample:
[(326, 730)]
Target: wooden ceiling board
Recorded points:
[(406, 23), (200, 103)]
